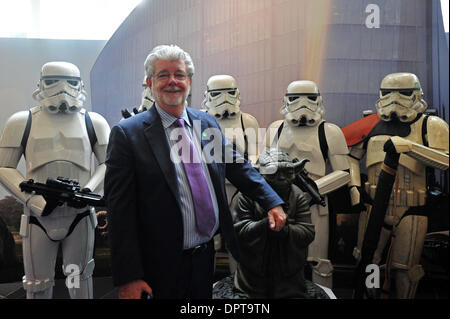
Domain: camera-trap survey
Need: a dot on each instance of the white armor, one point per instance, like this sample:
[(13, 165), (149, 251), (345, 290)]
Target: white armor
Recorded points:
[(410, 229), (402, 95), (303, 104), (60, 88), (147, 97), (299, 138), (58, 144), (222, 100)]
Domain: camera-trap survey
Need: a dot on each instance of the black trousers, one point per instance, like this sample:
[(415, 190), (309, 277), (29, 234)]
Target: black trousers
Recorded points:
[(195, 278)]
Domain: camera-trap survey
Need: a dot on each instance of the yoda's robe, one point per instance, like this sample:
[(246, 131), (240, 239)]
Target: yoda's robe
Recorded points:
[(272, 263)]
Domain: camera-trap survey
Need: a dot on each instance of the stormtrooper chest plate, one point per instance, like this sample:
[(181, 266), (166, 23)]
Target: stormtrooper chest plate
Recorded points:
[(303, 143), (376, 155), (232, 130), (59, 138)]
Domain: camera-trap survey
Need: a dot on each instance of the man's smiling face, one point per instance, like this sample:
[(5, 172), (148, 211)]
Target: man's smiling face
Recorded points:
[(170, 84)]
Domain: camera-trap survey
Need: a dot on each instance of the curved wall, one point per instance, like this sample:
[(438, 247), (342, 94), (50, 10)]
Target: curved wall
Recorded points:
[(266, 44)]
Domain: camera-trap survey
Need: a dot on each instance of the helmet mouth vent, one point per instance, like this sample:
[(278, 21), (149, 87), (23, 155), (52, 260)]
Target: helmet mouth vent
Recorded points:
[(303, 120), (63, 107)]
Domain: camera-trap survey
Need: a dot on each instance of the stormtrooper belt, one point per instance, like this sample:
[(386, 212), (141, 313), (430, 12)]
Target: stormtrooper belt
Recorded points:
[(78, 218)]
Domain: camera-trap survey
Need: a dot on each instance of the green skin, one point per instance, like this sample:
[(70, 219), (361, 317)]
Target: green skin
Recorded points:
[(281, 181)]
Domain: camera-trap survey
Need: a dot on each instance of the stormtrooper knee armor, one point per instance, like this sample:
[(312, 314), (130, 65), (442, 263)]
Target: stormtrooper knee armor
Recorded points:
[(57, 138), (301, 135)]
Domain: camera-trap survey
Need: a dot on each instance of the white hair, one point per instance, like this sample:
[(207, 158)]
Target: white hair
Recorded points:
[(171, 53)]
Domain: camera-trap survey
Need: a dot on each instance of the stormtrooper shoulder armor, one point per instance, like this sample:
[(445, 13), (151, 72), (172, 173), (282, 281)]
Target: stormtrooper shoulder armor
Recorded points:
[(276, 124), (101, 128), (249, 120), (337, 144), (14, 129), (437, 134), (271, 132)]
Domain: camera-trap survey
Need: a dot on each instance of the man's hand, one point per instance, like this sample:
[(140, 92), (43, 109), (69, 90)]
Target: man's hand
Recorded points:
[(277, 218), (134, 289)]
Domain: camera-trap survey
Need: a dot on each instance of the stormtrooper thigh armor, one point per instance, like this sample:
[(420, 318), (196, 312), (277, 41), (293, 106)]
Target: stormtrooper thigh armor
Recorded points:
[(40, 250)]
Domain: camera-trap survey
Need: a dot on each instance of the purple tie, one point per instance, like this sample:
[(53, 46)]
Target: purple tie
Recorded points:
[(201, 195)]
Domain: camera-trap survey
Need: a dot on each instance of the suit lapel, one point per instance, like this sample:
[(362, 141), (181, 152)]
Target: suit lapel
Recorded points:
[(155, 135)]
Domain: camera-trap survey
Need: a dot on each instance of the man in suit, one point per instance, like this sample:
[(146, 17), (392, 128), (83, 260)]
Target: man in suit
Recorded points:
[(165, 207)]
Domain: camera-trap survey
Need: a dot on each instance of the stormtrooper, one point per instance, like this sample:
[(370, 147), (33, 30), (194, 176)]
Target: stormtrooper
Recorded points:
[(421, 141), (56, 138), (147, 101), (303, 134), (222, 100), (147, 98)]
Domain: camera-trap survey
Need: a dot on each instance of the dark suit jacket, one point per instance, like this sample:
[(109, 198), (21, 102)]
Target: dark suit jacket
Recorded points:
[(146, 226)]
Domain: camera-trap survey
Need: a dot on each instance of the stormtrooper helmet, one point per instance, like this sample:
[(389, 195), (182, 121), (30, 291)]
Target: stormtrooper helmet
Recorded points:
[(222, 98), (147, 97), (303, 104), (60, 88), (401, 97)]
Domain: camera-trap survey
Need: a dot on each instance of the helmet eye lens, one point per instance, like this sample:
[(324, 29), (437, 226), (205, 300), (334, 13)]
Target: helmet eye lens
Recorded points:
[(312, 97), (73, 82), (293, 98), (50, 82), (406, 92), (214, 94), (402, 92), (232, 92)]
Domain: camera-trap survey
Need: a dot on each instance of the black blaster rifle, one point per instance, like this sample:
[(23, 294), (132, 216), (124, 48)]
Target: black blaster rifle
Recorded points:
[(62, 190), (307, 184), (385, 185)]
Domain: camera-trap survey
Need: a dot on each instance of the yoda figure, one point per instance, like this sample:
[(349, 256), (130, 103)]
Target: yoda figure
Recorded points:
[(272, 263)]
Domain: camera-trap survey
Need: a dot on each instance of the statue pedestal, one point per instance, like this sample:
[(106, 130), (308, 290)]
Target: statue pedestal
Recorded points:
[(223, 289)]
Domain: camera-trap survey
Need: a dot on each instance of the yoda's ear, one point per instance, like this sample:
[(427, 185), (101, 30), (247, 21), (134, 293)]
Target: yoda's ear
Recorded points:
[(299, 165)]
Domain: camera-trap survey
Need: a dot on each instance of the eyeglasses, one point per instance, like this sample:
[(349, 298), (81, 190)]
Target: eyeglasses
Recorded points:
[(178, 75)]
